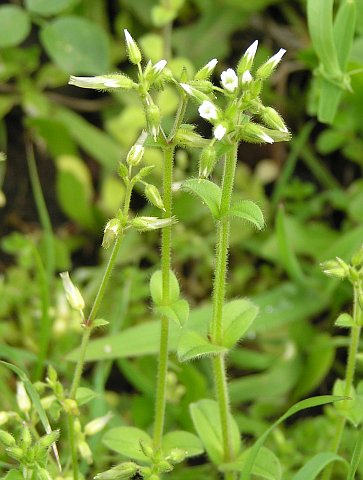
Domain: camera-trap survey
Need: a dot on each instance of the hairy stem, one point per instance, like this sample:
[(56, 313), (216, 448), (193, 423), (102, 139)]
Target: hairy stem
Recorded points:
[(349, 378), (164, 329), (219, 290)]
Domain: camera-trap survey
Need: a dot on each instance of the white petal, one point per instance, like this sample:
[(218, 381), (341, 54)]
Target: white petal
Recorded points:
[(187, 88), (219, 132), (159, 66), (277, 57), (266, 138), (246, 77), (251, 51)]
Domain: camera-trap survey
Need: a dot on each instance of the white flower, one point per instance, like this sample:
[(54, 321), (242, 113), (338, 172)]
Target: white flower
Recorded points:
[(73, 295), (251, 52), (266, 138), (219, 132), (246, 77), (208, 110), (159, 66), (135, 155), (229, 80), (211, 65), (22, 397), (275, 59)]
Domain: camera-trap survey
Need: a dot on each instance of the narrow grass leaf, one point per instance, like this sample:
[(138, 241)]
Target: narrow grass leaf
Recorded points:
[(343, 31), (266, 466), (207, 191), (298, 407), (315, 465), (357, 455)]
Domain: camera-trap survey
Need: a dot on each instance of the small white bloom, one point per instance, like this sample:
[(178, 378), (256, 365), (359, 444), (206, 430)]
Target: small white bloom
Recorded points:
[(246, 77), (208, 110), (73, 295), (159, 66), (210, 66), (266, 138), (135, 155), (132, 48), (129, 40), (219, 132), (22, 397), (275, 59), (187, 88), (229, 80), (251, 51)]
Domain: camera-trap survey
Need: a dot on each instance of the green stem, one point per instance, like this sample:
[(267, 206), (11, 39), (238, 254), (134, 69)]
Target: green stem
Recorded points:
[(160, 401), (219, 291), (349, 378)]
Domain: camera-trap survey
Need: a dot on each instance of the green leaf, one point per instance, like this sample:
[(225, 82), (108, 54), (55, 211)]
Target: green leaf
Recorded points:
[(186, 441), (46, 8), (177, 311), (85, 395), (287, 255), (344, 320), (156, 287), (74, 190), (357, 455), (317, 464), (238, 316), (298, 407), (135, 341), (206, 420), (126, 441), (77, 45), (266, 466), (208, 191), (193, 345), (343, 31), (33, 394), (352, 409), (14, 25), (13, 475), (247, 210)]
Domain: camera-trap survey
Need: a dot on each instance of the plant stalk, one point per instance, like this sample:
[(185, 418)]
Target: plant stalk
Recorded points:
[(160, 401), (219, 291), (349, 378)]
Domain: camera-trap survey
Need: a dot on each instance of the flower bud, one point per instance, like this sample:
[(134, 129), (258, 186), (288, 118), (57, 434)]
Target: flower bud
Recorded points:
[(52, 374), (154, 197), (335, 268), (98, 424), (246, 78), (229, 80), (144, 224), (7, 439), (273, 119), (133, 50), (47, 440), (73, 295), (357, 258), (153, 72), (135, 155), (22, 398), (25, 438), (164, 466), (15, 452), (254, 133), (153, 119), (147, 450), (103, 82), (266, 69), (111, 232), (193, 92), (85, 451), (119, 472), (246, 61), (205, 72), (70, 406), (207, 161)]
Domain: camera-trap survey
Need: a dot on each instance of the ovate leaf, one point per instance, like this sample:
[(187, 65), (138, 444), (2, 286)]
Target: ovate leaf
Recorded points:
[(177, 311), (156, 287), (126, 440), (77, 45), (238, 316), (193, 345), (14, 25), (248, 210), (207, 191), (46, 8), (206, 420), (344, 320), (186, 441)]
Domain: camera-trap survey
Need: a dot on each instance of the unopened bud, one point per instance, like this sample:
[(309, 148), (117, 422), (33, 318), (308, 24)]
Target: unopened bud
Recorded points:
[(205, 72), (273, 119), (144, 224), (7, 439), (97, 424), (73, 295), (15, 452), (153, 72), (246, 78), (123, 172), (25, 438), (335, 268), (135, 155), (133, 50), (119, 472), (47, 440), (52, 374), (193, 92), (22, 398), (246, 61), (207, 161), (103, 82), (266, 69), (153, 120), (154, 197), (164, 466), (111, 232), (85, 451), (254, 133), (70, 406)]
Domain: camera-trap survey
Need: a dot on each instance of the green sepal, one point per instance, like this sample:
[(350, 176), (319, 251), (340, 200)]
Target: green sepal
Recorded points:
[(238, 316), (247, 210), (156, 288), (193, 345), (177, 311), (207, 191), (99, 322)]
